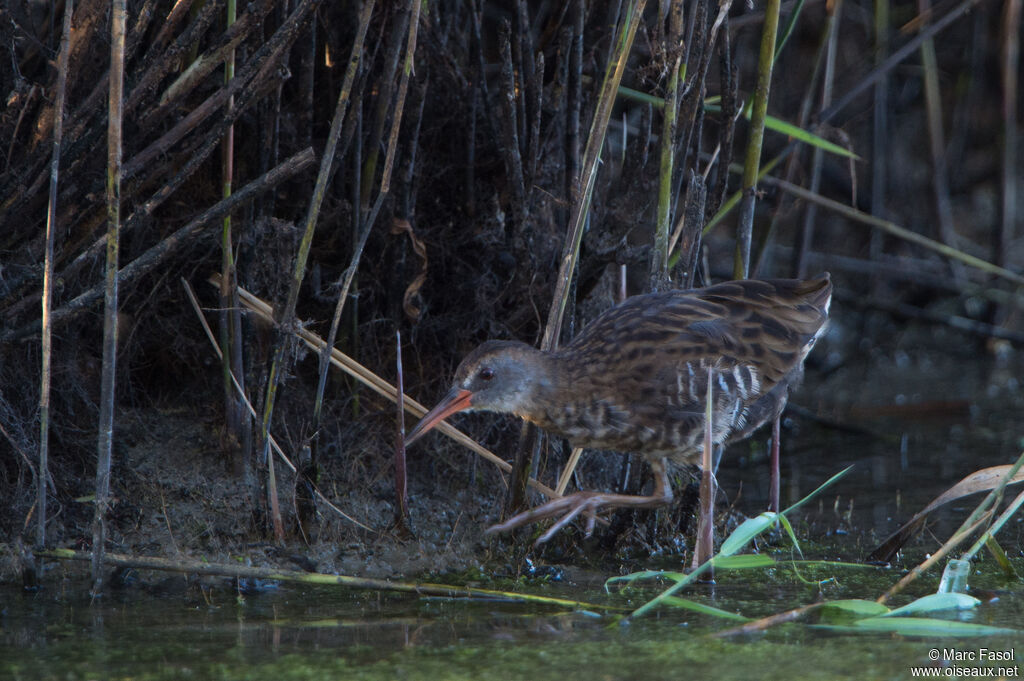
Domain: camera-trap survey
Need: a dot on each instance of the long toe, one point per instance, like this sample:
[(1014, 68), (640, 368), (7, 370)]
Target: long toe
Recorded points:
[(551, 509)]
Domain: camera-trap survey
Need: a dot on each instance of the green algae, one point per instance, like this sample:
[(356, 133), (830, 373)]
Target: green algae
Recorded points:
[(319, 633)]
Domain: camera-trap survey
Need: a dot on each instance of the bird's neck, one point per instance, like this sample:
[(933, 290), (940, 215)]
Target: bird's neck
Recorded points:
[(549, 385)]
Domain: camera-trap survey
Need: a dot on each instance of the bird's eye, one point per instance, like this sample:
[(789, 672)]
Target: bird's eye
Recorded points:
[(486, 373)]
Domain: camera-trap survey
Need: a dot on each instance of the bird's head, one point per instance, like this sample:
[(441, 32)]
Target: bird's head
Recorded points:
[(500, 376)]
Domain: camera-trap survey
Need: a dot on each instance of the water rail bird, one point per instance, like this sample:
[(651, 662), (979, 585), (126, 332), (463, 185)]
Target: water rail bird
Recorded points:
[(636, 380)]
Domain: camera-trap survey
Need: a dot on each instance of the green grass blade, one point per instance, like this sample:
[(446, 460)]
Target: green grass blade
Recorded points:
[(742, 562), (747, 530), (792, 535), (790, 130), (771, 122), (817, 491), (687, 604)]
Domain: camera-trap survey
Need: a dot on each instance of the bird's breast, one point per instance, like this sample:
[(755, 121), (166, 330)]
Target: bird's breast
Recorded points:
[(656, 413)]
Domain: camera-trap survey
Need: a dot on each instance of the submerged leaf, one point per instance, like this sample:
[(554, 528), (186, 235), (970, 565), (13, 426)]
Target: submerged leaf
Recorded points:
[(858, 606), (926, 626), (936, 602), (645, 574)]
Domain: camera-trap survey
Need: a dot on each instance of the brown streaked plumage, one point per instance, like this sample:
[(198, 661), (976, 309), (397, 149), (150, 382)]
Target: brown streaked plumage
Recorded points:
[(636, 378)]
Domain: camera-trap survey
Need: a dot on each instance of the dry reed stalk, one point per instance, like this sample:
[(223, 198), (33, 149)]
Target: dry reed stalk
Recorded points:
[(109, 370), (42, 475), (759, 109)]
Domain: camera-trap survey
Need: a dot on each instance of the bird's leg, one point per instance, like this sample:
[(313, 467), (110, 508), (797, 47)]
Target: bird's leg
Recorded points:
[(773, 496), (590, 504)]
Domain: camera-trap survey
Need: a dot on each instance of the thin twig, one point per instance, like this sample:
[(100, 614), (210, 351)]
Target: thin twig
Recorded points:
[(1011, 82), (828, 64), (401, 499)]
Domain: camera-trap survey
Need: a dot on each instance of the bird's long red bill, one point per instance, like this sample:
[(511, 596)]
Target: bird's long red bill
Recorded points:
[(456, 400)]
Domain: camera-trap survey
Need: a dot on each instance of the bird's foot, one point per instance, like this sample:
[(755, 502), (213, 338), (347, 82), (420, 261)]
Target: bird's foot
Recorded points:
[(587, 504)]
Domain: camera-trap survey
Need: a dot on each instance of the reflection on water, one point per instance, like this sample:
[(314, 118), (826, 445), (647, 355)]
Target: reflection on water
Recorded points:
[(912, 424)]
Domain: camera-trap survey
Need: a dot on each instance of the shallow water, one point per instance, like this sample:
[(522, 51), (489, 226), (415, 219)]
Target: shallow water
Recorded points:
[(320, 633), (912, 423), (932, 420)]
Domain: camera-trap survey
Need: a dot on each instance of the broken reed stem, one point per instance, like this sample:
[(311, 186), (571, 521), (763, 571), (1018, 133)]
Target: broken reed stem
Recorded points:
[(769, 621), (47, 329), (380, 386), (950, 544), (250, 572), (775, 482), (705, 548), (980, 515), (759, 109), (109, 370), (184, 236), (570, 466), (509, 122)]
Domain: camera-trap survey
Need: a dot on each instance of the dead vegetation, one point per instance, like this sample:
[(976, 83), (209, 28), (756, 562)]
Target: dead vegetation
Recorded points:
[(459, 163)]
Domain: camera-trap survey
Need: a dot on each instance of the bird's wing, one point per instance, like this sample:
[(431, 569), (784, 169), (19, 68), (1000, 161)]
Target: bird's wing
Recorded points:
[(751, 332)]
